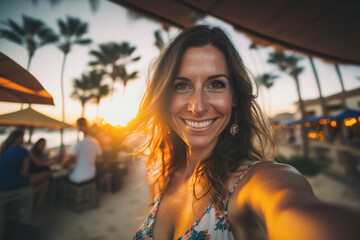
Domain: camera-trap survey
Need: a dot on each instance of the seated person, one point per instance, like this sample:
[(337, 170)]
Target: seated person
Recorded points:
[(38, 159), (86, 153), (14, 168)]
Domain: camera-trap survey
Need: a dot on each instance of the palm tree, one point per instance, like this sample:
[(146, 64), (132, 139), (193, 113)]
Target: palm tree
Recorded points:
[(112, 59), (83, 90), (267, 80), (125, 76), (99, 89), (159, 41), (32, 34), (71, 33), (343, 91), (289, 64), (322, 101)]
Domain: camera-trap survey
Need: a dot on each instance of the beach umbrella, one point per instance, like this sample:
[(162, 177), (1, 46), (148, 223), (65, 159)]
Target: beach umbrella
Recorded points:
[(31, 118), (18, 85)]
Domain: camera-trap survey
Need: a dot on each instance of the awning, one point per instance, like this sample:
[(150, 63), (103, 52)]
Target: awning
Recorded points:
[(348, 113), (322, 28), (31, 118), (18, 85), (290, 122), (317, 118)]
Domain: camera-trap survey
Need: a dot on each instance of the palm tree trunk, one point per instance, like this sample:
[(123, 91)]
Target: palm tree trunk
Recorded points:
[(62, 89), (343, 101), (305, 140), (269, 101), (322, 101), (97, 109), (112, 91), (27, 68), (62, 149), (29, 62), (343, 98), (83, 110)]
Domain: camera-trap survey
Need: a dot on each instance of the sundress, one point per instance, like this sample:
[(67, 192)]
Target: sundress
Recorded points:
[(213, 224)]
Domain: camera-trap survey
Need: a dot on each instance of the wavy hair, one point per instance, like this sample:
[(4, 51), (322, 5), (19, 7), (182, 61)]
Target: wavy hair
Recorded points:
[(11, 140), (167, 152), (35, 149)]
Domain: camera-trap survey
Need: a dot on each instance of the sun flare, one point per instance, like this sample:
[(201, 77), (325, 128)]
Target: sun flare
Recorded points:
[(121, 109)]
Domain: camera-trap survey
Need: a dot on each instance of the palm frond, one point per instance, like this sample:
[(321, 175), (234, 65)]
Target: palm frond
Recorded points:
[(16, 28), (9, 35), (85, 41)]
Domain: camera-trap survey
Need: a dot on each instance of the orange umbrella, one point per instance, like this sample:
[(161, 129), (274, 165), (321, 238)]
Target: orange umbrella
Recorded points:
[(18, 85)]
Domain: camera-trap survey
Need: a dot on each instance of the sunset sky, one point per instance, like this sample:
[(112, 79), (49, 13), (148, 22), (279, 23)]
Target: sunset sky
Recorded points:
[(111, 23)]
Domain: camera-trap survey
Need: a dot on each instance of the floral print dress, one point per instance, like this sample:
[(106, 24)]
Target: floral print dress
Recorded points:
[(213, 224)]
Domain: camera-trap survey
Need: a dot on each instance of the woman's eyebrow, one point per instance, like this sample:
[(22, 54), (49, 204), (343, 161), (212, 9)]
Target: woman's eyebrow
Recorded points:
[(209, 78), (182, 78), (218, 75)]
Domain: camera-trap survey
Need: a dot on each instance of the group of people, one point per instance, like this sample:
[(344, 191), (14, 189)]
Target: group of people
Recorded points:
[(20, 167)]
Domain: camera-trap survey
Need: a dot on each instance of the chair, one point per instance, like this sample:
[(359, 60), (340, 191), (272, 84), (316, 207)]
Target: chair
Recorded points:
[(104, 182), (79, 197), (16, 206)]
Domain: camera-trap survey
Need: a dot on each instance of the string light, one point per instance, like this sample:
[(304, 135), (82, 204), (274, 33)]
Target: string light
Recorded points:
[(350, 121), (333, 123)]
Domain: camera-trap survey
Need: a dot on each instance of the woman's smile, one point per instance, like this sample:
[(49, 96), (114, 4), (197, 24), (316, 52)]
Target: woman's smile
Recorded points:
[(198, 124)]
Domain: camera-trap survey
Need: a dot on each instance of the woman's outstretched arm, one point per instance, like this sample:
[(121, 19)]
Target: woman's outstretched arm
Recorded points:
[(283, 199)]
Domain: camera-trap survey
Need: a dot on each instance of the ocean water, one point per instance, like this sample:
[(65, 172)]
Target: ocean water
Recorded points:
[(52, 136)]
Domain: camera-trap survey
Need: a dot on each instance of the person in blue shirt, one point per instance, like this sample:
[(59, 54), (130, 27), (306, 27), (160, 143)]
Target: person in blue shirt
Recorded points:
[(14, 166)]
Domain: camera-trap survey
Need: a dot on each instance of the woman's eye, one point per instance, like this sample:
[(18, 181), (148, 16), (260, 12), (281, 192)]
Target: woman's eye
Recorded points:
[(180, 86), (217, 84)]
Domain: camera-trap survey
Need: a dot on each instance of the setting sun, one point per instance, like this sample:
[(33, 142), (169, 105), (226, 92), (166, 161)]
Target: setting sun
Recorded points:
[(123, 107)]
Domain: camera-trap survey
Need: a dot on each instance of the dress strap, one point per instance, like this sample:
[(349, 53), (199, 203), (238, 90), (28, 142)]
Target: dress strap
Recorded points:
[(226, 203)]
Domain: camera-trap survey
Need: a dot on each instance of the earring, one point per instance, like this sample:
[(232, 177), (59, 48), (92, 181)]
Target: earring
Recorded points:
[(234, 129)]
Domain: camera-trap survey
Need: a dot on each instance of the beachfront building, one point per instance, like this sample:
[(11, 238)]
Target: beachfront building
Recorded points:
[(334, 135)]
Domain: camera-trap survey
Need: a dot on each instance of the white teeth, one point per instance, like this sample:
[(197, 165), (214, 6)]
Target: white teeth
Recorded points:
[(198, 124)]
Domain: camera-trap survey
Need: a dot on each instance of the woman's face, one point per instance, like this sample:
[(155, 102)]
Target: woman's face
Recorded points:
[(202, 98), (41, 145)]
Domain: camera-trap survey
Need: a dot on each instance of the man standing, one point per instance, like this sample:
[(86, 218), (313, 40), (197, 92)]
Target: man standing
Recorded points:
[(85, 153)]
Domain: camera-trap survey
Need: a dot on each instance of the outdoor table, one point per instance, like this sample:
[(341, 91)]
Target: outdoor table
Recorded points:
[(57, 173)]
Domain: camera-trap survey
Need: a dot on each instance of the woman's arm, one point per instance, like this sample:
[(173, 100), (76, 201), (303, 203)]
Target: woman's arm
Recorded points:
[(280, 196), (25, 167), (38, 162)]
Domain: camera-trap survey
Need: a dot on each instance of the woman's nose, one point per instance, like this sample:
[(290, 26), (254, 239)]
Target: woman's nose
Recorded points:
[(198, 103)]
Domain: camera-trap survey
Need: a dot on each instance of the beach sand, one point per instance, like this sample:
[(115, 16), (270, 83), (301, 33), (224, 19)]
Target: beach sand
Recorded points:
[(117, 217)]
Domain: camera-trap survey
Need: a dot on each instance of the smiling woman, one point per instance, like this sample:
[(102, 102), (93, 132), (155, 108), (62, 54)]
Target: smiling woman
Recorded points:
[(208, 169)]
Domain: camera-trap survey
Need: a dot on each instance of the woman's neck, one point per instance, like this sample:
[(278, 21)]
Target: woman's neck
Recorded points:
[(194, 159)]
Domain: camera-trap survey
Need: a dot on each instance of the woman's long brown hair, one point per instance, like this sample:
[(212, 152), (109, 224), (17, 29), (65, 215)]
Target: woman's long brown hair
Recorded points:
[(167, 152)]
